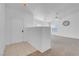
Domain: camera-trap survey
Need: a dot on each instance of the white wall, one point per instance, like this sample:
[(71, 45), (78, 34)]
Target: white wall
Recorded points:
[(14, 23), (64, 12), (2, 28), (18, 17), (71, 31), (28, 18), (8, 26)]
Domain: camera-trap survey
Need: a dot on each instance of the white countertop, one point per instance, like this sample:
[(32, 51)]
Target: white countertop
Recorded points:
[(75, 36)]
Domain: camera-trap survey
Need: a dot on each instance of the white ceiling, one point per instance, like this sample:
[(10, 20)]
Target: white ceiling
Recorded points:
[(46, 9)]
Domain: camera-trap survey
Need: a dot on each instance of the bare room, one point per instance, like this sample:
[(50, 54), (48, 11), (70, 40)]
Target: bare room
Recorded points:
[(39, 29)]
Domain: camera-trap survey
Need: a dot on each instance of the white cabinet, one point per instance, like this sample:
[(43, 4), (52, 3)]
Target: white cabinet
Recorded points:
[(38, 37)]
